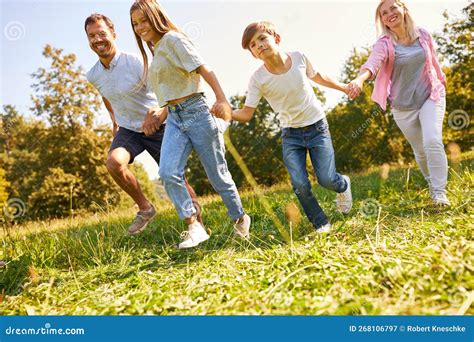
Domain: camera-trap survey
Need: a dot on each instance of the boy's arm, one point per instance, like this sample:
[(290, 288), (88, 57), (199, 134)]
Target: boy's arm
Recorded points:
[(109, 108), (329, 82), (243, 115), (221, 108)]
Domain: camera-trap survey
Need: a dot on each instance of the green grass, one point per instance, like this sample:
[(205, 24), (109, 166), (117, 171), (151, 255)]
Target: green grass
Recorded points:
[(409, 258)]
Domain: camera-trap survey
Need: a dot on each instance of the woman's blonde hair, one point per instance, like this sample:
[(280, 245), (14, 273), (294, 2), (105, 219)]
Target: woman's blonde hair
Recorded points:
[(383, 30), (159, 22)]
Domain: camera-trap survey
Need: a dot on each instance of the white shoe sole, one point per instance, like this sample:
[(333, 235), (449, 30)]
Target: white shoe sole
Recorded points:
[(194, 243)]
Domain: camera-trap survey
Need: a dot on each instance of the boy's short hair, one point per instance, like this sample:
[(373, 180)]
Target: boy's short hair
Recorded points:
[(96, 17), (251, 29)]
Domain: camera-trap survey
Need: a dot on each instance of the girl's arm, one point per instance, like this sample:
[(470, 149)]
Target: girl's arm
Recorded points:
[(327, 81), (243, 115), (222, 107)]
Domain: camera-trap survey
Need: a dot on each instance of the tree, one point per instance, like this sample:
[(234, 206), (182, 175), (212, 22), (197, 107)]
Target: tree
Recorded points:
[(3, 189), (455, 45)]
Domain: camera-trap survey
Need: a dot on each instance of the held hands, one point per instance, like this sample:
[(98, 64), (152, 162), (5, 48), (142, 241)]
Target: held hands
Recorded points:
[(153, 120), (222, 109), (354, 88)]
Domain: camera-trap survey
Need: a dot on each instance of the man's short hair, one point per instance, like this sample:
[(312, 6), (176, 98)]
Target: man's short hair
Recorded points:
[(251, 29), (96, 17)]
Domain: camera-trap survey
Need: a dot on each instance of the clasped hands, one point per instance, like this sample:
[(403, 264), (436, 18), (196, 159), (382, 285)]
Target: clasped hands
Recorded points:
[(353, 88), (222, 109), (154, 119)]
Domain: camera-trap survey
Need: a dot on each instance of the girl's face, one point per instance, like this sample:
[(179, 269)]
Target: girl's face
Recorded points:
[(392, 14), (142, 27)]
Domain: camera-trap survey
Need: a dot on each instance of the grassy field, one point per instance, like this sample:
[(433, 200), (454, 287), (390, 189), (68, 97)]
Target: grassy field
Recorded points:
[(393, 254)]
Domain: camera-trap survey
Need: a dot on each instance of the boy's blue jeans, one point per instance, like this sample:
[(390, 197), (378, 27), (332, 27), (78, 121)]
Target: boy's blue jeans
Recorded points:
[(316, 140), (190, 126)]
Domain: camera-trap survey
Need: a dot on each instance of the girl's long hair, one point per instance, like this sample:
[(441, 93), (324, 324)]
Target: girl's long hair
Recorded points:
[(159, 22), (383, 30)]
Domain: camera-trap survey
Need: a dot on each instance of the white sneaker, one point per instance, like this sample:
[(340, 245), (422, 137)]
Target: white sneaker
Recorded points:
[(344, 199), (324, 229), (242, 226), (440, 198), (194, 236)]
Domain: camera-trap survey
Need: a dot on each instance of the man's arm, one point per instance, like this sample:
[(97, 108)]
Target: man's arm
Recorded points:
[(109, 108)]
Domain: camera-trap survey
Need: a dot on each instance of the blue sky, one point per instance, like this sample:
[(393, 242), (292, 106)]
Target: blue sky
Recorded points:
[(325, 30)]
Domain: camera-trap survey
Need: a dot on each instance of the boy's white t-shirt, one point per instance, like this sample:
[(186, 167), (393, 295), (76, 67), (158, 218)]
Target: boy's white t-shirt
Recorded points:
[(291, 94)]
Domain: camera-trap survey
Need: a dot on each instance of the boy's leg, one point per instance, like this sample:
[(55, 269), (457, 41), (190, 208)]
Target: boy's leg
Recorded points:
[(209, 145), (321, 152), (431, 119), (175, 151), (294, 157)]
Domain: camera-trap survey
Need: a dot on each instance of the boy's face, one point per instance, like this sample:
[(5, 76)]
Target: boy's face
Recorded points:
[(263, 45)]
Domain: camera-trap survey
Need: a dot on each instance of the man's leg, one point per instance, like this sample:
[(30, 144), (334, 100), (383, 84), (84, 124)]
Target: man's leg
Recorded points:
[(117, 165)]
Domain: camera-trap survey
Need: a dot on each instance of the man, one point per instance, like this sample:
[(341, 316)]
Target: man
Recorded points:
[(138, 122)]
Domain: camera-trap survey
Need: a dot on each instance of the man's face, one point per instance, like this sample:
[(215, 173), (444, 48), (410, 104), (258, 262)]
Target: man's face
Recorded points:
[(101, 39)]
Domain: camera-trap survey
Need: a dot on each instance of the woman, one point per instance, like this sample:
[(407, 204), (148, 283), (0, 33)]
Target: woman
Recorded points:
[(407, 74)]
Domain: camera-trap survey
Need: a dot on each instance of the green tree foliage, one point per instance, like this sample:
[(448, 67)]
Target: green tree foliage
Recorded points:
[(58, 163), (455, 45), (3, 189)]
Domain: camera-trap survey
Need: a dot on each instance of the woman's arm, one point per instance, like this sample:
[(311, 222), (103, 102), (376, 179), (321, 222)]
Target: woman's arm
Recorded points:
[(370, 68)]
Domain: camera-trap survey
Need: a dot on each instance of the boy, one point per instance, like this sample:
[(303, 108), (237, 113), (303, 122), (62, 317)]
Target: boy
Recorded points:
[(284, 81)]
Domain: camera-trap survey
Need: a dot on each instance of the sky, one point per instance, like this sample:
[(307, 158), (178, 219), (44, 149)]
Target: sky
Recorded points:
[(325, 31)]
